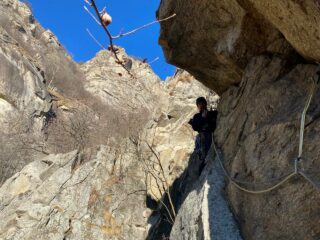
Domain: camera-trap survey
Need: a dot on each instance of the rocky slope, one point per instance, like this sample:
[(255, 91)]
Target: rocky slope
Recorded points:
[(32, 63), (46, 98), (259, 55), (101, 192), (51, 199), (91, 152), (78, 141), (212, 218)]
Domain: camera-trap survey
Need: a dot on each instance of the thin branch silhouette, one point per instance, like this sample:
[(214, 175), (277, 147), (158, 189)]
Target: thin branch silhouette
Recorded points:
[(144, 26), (95, 40), (95, 8), (98, 19)]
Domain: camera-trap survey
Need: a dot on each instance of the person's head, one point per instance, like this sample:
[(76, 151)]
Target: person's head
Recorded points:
[(201, 103)]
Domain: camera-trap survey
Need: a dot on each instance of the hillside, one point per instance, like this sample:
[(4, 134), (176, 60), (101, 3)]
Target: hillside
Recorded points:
[(75, 137), (92, 151)]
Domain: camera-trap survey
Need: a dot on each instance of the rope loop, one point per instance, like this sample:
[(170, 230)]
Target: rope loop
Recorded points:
[(296, 171), (236, 183)]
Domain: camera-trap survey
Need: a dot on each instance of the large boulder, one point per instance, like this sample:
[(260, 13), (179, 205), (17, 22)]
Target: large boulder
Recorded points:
[(297, 20), (215, 40)]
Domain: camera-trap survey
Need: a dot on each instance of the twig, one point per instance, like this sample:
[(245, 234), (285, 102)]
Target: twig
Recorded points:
[(154, 60), (144, 26), (99, 20), (94, 39), (167, 190), (94, 6), (53, 75), (90, 13), (162, 203)]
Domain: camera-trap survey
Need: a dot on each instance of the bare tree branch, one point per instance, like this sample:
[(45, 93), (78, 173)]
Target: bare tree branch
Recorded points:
[(144, 26), (95, 8), (167, 187), (90, 13), (94, 39), (162, 203), (98, 19), (154, 60)]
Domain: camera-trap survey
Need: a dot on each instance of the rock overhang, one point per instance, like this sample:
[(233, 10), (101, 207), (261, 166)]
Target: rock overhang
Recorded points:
[(215, 40)]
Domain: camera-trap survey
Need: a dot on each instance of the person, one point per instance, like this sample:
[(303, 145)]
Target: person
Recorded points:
[(204, 123)]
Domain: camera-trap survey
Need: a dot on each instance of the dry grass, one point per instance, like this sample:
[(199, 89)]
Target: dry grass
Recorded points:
[(62, 101), (17, 146)]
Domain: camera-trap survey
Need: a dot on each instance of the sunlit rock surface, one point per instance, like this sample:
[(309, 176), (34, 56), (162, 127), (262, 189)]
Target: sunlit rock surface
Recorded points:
[(260, 56), (73, 136)]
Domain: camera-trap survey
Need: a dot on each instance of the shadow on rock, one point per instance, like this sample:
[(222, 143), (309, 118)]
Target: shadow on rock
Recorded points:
[(179, 190), (200, 201)]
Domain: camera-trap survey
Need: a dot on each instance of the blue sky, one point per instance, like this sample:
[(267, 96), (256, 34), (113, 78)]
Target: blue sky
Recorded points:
[(68, 20)]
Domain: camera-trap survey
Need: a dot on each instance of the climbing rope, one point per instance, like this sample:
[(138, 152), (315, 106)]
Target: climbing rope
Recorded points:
[(284, 179), (303, 117)]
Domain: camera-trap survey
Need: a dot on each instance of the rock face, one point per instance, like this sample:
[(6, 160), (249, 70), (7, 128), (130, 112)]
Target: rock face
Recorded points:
[(100, 192), (109, 82), (51, 105), (75, 139), (52, 199), (259, 134), (259, 56), (32, 63), (212, 218), (89, 151), (297, 20), (216, 40), (170, 134)]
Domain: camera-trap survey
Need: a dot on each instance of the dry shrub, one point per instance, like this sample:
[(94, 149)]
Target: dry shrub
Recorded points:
[(64, 74), (64, 131), (87, 128), (19, 144), (68, 131), (11, 160)]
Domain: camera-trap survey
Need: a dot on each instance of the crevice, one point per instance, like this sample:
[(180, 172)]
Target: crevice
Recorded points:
[(179, 190)]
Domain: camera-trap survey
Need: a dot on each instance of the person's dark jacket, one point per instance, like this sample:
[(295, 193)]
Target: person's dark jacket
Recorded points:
[(207, 124)]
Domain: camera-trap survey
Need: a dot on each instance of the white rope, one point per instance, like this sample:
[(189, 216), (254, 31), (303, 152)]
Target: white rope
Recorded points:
[(303, 117), (236, 182), (309, 180), (314, 86), (285, 178)]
